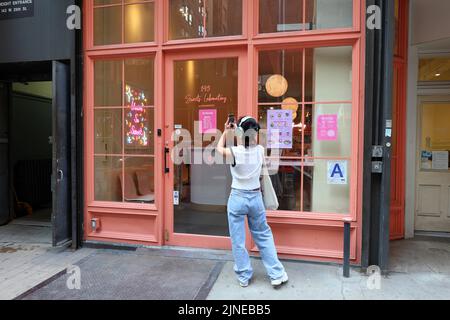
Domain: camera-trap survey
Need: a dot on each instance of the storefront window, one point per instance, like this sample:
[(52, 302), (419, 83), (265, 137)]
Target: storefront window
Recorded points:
[(313, 103), (204, 18), (123, 21), (289, 15), (326, 186), (124, 130)]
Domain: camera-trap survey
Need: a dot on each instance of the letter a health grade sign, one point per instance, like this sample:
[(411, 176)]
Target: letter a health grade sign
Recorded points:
[(337, 172)]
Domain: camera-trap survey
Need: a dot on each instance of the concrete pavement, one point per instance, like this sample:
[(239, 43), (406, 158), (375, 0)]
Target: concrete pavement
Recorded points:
[(420, 270)]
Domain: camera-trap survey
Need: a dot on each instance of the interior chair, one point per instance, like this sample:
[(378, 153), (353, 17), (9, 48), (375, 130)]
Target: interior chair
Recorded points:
[(131, 193)]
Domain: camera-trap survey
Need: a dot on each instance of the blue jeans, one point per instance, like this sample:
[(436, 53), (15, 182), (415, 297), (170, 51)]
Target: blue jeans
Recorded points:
[(242, 204)]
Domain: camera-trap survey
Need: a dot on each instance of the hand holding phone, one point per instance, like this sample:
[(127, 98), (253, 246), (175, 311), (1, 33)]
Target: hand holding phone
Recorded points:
[(231, 120)]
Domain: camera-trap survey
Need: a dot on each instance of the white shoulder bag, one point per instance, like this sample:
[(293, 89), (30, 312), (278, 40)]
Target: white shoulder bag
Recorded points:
[(269, 195)]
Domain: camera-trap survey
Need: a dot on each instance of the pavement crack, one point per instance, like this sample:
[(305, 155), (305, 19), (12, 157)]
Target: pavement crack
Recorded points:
[(342, 291)]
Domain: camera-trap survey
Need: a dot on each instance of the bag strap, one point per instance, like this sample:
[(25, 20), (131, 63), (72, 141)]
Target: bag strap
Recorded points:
[(234, 157)]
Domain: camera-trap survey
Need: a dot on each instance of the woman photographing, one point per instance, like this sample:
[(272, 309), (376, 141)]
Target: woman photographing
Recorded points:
[(246, 201)]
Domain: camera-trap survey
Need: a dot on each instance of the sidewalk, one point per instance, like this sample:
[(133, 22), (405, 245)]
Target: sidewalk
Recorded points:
[(319, 282), (421, 270), (27, 258)]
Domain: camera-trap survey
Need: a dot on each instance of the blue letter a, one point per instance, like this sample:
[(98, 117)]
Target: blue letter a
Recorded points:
[(337, 170)]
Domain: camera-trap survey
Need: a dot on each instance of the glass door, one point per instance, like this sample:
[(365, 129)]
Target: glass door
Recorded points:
[(202, 90)]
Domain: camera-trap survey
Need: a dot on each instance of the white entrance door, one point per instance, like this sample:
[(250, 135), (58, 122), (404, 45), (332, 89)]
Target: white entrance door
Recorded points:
[(433, 174)]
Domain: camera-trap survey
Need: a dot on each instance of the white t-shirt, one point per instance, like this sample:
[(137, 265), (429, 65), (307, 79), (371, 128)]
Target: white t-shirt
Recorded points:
[(247, 171)]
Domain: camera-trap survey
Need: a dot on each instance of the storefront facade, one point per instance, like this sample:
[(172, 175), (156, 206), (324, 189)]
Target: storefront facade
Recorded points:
[(155, 70)]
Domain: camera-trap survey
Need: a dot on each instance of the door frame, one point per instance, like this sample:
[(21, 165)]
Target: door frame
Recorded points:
[(426, 95), (187, 240), (416, 90), (43, 71)]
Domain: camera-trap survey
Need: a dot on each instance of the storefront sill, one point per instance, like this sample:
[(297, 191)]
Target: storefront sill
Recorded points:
[(122, 46), (306, 39), (303, 252), (145, 210), (310, 33), (309, 217), (117, 237)]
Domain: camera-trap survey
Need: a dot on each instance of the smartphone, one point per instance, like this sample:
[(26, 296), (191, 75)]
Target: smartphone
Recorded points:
[(231, 119)]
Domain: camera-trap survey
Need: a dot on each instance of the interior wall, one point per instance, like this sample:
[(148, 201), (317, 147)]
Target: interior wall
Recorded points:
[(31, 126), (40, 89), (435, 128)]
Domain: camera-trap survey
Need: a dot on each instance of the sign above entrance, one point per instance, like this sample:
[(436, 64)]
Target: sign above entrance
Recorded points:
[(14, 9)]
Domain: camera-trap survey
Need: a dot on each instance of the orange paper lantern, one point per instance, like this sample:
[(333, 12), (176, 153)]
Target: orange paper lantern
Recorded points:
[(277, 85)]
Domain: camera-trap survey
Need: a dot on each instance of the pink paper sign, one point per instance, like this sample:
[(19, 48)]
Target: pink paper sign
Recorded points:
[(208, 120), (327, 127)]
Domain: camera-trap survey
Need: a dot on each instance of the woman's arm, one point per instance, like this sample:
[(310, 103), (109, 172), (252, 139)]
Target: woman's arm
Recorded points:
[(221, 146)]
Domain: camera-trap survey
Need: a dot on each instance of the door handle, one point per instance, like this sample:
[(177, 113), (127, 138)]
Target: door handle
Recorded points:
[(60, 176), (166, 152)]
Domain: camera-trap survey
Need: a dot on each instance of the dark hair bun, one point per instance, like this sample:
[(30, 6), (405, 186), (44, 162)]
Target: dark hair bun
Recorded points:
[(250, 124)]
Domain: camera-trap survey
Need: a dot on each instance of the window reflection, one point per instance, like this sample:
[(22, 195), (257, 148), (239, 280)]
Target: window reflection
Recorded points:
[(326, 14), (108, 131), (123, 21), (204, 18), (280, 16), (288, 15)]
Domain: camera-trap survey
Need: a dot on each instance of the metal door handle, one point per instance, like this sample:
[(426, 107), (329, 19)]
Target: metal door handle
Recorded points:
[(60, 175), (166, 152)]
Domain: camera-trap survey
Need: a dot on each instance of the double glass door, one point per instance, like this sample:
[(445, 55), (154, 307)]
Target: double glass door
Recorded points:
[(202, 90)]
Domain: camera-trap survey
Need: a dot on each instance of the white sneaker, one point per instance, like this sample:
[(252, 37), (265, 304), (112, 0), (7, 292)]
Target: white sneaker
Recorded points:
[(244, 284), (278, 282)]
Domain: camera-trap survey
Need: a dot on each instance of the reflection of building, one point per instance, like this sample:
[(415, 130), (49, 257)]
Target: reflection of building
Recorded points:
[(324, 64)]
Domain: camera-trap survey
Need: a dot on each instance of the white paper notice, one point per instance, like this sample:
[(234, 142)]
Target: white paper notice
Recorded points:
[(440, 160)]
